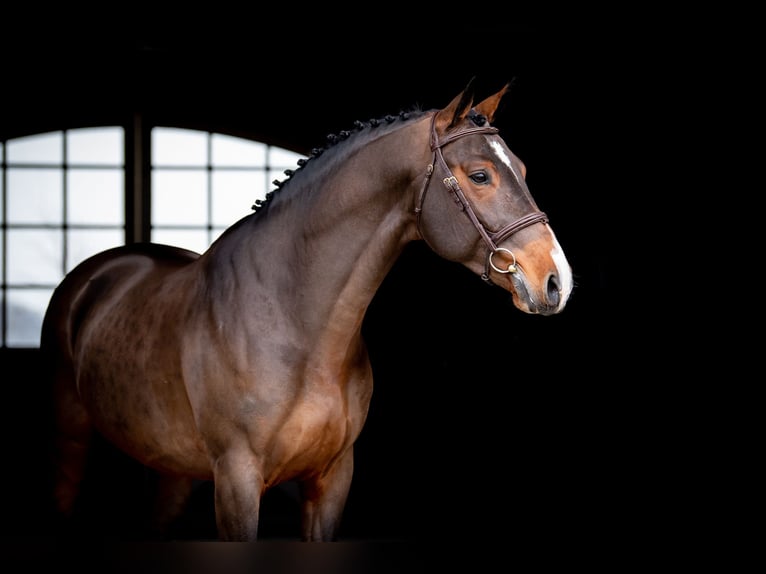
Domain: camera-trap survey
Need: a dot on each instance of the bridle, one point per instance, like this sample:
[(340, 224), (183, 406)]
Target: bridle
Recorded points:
[(491, 238)]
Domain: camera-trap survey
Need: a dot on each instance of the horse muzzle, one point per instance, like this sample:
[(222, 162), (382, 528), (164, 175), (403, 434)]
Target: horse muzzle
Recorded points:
[(549, 299)]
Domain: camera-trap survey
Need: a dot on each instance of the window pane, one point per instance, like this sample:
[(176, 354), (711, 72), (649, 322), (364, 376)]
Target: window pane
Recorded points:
[(196, 240), (101, 146), (85, 242), (284, 159), (41, 247), (179, 197), (95, 196), (26, 308), (234, 193), (40, 148), (34, 195), (237, 152), (176, 147)]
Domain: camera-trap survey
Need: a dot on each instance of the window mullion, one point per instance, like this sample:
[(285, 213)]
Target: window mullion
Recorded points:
[(138, 156)]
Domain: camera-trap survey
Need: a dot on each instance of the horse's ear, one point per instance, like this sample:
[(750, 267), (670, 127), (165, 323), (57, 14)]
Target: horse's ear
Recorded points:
[(489, 106), (456, 111)]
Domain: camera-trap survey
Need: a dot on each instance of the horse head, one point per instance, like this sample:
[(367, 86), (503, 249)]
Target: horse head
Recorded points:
[(475, 208)]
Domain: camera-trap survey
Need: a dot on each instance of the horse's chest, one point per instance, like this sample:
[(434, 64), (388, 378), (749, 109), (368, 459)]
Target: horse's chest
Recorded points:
[(314, 433)]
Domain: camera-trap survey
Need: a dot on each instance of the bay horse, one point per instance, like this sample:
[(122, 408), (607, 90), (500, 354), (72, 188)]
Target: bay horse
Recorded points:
[(245, 365)]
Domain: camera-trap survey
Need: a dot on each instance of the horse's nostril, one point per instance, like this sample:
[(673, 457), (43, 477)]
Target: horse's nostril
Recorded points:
[(554, 291)]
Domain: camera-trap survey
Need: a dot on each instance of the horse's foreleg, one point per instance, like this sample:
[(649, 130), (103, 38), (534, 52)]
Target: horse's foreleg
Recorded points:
[(324, 498), (238, 490)]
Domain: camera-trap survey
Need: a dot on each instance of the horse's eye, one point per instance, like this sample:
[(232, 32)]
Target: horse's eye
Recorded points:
[(479, 177)]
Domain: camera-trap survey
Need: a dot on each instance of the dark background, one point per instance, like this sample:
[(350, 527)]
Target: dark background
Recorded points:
[(485, 423)]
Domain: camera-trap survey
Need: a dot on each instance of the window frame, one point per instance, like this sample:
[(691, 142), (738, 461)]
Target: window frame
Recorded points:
[(137, 173)]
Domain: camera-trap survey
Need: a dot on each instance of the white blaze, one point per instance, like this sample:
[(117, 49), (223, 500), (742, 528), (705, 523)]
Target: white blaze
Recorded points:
[(557, 253), (504, 157), (564, 270)]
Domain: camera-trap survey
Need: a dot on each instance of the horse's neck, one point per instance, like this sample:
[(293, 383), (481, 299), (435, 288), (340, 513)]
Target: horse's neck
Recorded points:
[(320, 252)]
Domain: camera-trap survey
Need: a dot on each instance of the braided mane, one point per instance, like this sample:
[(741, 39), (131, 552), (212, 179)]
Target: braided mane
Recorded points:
[(333, 139)]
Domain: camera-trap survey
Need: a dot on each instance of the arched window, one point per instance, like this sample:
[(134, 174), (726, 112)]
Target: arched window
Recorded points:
[(72, 193)]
